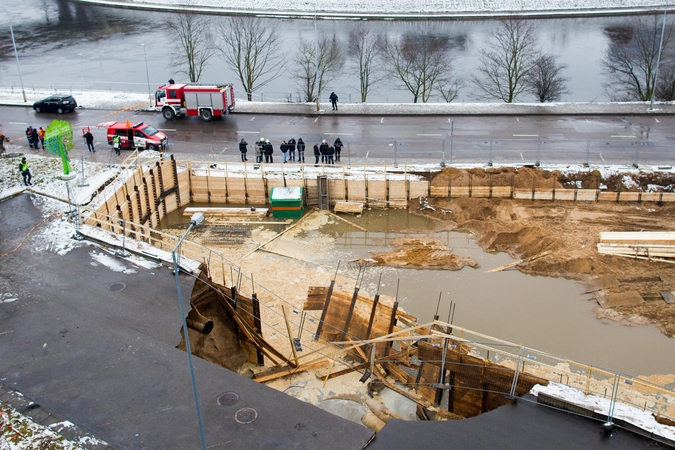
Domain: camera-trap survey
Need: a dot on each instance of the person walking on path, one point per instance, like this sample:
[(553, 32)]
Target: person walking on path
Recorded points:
[(338, 148), (329, 155), (25, 172), (317, 153), (268, 152), (333, 100), (242, 148), (116, 144), (41, 135), (301, 151), (284, 151), (323, 150), (90, 141), (291, 149)]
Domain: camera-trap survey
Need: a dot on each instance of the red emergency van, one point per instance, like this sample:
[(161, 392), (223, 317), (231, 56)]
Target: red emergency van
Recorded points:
[(139, 136)]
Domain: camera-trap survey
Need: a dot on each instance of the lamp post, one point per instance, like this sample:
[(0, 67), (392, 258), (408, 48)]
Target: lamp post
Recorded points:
[(18, 66), (84, 79), (658, 58), (147, 73), (195, 220)]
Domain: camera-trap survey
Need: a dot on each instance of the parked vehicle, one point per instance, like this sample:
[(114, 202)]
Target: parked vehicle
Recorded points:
[(55, 103), (176, 100), (140, 135)]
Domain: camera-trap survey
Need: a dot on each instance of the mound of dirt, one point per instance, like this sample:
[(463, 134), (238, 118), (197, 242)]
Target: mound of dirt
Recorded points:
[(422, 254)]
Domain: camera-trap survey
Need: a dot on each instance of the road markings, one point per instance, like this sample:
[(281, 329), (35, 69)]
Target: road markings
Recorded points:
[(223, 150), (367, 153), (429, 134), (601, 157), (17, 123), (657, 120), (517, 119), (248, 132), (339, 134), (525, 135), (449, 119), (521, 156), (618, 136), (382, 121), (252, 119), (166, 129), (316, 120)]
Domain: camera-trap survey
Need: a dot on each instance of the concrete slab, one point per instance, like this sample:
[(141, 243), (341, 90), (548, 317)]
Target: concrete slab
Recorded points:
[(107, 360)]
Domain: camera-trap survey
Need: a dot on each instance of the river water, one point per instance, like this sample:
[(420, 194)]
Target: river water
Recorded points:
[(64, 45)]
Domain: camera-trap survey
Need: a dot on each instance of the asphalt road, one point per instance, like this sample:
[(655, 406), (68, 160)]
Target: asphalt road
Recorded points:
[(598, 140)]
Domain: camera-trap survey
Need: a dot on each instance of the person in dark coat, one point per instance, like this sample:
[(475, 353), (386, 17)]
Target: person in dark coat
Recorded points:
[(329, 155), (243, 148), (333, 100), (29, 136), (261, 150), (338, 148), (323, 150), (284, 151), (268, 152), (317, 153), (35, 137), (89, 138), (291, 149), (301, 151)]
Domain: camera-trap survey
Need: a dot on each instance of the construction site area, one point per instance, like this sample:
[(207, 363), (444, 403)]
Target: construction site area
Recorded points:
[(290, 262), (379, 293)]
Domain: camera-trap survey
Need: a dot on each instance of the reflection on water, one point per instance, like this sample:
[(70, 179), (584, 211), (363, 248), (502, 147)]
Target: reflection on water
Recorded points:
[(548, 314)]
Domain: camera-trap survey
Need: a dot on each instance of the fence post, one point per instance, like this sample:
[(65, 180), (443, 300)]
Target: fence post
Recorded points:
[(615, 390), (514, 385), (588, 151)]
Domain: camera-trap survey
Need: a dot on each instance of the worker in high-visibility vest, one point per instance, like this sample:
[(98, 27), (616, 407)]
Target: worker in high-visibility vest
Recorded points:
[(25, 172), (116, 144)]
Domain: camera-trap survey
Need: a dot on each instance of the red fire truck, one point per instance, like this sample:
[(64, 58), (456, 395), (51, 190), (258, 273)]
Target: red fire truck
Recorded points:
[(176, 100)]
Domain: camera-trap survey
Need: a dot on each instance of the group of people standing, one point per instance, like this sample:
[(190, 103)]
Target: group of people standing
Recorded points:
[(329, 154), (36, 138)]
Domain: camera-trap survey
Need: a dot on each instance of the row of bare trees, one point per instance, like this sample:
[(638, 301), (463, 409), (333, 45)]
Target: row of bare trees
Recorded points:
[(511, 64)]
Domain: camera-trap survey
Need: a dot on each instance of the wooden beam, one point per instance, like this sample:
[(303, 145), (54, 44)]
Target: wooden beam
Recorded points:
[(284, 371), (521, 261), (358, 227)]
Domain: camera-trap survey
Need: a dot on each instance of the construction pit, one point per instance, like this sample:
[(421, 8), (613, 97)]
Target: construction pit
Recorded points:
[(370, 315)]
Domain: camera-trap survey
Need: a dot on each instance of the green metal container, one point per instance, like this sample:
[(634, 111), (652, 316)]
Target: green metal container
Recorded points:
[(287, 202)]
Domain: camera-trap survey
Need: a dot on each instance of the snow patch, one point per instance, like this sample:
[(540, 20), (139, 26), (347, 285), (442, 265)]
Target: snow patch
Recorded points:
[(110, 262)]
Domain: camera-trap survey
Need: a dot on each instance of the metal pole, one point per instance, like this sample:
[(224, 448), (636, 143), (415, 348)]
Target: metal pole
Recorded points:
[(188, 348), (82, 163), (18, 66), (658, 58), (588, 151), (538, 153), (452, 138), (443, 154), (395, 153), (316, 60), (349, 153), (147, 73)]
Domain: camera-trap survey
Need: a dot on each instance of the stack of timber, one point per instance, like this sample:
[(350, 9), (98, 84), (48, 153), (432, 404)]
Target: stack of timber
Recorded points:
[(648, 245), (349, 207), (227, 212)]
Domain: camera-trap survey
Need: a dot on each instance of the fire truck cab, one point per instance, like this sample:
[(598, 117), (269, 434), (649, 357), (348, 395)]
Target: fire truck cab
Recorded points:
[(140, 135), (176, 100)]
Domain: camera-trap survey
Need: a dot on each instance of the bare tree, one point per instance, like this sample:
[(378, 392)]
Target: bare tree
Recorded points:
[(316, 64), (363, 45), (449, 88), (252, 48), (665, 87), (506, 63), (419, 61), (546, 81), (194, 44), (630, 65)]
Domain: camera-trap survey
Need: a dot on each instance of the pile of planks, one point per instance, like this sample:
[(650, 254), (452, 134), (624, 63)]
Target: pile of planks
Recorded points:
[(647, 245)]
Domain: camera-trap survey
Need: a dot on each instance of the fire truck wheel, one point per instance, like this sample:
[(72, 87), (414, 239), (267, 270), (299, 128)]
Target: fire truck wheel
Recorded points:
[(206, 114), (168, 113), (60, 110)]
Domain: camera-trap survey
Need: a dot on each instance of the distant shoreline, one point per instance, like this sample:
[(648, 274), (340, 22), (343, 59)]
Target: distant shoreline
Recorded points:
[(330, 10)]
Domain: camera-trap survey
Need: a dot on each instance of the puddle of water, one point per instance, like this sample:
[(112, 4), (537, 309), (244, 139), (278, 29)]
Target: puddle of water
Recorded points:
[(547, 314)]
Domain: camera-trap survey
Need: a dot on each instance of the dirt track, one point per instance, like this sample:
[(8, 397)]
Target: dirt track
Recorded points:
[(571, 231)]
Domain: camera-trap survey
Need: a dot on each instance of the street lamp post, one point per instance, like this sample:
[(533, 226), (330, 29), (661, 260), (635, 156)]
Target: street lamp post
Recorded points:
[(147, 73), (658, 58), (195, 220), (18, 66)]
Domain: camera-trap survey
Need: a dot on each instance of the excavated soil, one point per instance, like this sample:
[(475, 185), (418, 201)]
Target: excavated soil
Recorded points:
[(570, 230), (421, 254)]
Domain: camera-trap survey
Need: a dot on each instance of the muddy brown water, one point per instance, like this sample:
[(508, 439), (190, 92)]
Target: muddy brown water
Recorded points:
[(548, 314)]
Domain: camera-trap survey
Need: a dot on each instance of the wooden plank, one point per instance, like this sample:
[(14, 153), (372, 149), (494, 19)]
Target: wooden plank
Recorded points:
[(349, 207), (227, 212), (638, 237), (358, 227), (521, 261), (284, 371)]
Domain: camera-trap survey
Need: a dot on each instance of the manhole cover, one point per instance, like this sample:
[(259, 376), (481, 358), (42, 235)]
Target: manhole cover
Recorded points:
[(246, 415), (228, 399), (116, 287)]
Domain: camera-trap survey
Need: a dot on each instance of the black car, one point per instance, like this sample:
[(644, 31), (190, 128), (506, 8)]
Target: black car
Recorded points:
[(56, 103)]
